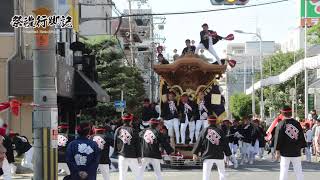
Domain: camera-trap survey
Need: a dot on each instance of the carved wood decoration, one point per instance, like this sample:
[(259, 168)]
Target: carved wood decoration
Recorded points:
[(189, 72)]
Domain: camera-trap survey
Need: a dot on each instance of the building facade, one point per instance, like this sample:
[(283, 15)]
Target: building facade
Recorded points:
[(143, 45), (247, 56), (90, 13), (14, 47), (294, 40), (77, 88)]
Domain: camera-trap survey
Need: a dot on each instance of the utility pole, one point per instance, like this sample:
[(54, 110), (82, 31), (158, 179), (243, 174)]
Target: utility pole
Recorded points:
[(152, 88), (131, 36), (261, 77), (306, 109), (227, 96), (45, 114), (252, 94), (245, 76), (295, 110)]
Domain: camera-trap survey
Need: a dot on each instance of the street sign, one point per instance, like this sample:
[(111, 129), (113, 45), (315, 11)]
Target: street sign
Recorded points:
[(119, 104), (42, 33), (313, 8), (313, 12), (119, 109), (54, 138)]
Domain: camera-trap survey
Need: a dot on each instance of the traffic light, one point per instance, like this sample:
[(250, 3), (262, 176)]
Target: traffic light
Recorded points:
[(229, 2)]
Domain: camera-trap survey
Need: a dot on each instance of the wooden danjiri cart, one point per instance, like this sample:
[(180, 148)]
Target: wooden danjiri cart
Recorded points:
[(190, 75)]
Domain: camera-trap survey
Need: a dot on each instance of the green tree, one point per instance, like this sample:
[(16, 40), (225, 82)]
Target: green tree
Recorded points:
[(241, 105), (314, 34), (114, 76), (277, 95)]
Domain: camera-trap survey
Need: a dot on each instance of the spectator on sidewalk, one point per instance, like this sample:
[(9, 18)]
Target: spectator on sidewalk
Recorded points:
[(313, 115), (5, 169), (317, 138), (7, 143), (308, 136)]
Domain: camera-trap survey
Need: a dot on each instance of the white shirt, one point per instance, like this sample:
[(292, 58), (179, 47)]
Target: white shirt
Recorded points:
[(308, 135)]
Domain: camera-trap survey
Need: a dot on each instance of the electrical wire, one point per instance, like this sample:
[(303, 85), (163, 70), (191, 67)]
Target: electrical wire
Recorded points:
[(118, 41), (203, 11), (115, 7)]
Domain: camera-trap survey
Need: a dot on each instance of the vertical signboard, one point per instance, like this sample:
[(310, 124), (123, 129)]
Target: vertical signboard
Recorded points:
[(313, 12)]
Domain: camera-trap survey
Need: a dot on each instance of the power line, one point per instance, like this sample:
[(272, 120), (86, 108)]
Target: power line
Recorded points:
[(115, 7), (203, 11)]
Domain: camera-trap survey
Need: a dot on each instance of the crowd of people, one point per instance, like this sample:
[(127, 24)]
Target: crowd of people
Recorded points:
[(137, 144), (312, 134), (221, 143)]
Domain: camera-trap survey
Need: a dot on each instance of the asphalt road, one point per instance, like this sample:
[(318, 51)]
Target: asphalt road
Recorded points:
[(261, 170)]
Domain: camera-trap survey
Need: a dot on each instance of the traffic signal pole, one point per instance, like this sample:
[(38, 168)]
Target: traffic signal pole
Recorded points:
[(45, 163)]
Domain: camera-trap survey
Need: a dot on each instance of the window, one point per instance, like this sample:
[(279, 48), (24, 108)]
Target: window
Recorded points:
[(6, 13), (318, 73)]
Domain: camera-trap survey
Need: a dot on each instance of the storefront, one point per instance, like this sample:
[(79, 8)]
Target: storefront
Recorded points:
[(74, 89)]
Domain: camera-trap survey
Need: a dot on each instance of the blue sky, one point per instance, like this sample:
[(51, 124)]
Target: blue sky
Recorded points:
[(275, 21)]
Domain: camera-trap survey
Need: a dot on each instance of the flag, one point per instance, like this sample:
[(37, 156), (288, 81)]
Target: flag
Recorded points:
[(73, 11), (164, 90), (216, 108), (4, 106), (15, 107)]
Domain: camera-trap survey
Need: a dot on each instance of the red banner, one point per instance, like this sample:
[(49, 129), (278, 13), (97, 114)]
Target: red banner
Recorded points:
[(15, 107), (4, 106), (13, 104)]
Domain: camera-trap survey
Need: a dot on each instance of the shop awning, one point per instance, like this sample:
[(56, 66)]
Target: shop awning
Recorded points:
[(308, 63), (85, 87), (314, 87), (102, 96)]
